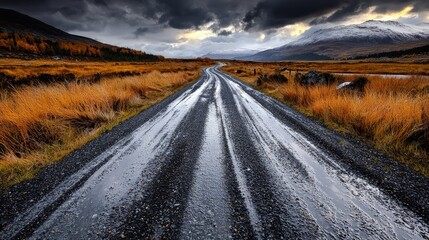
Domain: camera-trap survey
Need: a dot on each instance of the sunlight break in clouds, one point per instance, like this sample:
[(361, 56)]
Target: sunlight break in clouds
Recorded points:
[(390, 16), (196, 34), (297, 29)]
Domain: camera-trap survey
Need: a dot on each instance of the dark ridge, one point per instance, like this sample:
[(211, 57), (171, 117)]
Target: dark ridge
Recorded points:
[(13, 21), (22, 36), (308, 56), (424, 50)]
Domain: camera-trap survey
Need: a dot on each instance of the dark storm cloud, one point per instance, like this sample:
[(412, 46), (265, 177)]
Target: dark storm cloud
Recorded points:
[(141, 31), (277, 13), (251, 15), (340, 13), (185, 19), (67, 15), (224, 33), (352, 8)]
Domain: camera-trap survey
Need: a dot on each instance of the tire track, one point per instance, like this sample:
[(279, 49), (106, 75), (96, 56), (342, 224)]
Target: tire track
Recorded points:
[(218, 161)]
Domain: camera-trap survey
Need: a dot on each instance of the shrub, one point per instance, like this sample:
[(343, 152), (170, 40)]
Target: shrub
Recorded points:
[(277, 77)]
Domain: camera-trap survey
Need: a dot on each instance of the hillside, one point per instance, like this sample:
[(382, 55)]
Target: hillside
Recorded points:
[(342, 42), (25, 37), (412, 52)]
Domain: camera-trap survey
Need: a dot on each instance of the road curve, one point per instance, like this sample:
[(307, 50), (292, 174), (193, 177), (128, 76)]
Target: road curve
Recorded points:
[(220, 160)]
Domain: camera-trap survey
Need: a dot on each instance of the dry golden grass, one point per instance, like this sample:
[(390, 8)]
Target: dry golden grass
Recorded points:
[(39, 125), (23, 68), (392, 114), (352, 66)]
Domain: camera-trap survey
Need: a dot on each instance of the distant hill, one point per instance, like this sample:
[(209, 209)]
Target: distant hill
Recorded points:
[(229, 54), (342, 42), (24, 36)]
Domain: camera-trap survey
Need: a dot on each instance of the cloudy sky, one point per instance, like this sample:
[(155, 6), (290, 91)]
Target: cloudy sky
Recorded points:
[(192, 28)]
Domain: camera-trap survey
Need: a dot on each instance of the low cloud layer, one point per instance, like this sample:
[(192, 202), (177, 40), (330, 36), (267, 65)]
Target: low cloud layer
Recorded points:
[(162, 21)]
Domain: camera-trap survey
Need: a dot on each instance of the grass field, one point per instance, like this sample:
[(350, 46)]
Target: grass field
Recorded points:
[(17, 72), (41, 124), (22, 68), (352, 66), (392, 114)]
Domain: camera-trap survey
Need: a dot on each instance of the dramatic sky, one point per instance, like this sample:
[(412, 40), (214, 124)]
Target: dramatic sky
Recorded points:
[(191, 28)]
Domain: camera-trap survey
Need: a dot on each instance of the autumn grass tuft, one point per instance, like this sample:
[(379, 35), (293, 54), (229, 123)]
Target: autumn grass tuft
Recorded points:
[(391, 114), (39, 125)]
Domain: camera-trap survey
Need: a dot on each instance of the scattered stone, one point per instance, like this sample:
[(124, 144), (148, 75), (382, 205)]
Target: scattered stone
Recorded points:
[(282, 69), (357, 85), (343, 85), (315, 78)]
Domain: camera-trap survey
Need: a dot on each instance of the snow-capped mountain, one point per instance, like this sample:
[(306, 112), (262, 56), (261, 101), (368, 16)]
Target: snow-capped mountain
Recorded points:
[(348, 41), (375, 31)]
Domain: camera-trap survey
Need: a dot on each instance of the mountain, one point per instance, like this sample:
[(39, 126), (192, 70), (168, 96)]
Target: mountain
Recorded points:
[(341, 42), (25, 37)]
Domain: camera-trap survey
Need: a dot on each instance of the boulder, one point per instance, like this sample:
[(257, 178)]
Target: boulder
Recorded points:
[(343, 85), (357, 85), (315, 78)]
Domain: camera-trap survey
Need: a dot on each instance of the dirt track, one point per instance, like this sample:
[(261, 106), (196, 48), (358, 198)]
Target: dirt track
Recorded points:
[(220, 160)]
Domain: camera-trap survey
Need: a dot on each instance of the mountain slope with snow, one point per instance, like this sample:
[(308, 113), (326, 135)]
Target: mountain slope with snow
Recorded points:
[(348, 41), (373, 31)]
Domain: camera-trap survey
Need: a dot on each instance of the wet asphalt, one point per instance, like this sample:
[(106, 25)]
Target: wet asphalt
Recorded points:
[(219, 160)]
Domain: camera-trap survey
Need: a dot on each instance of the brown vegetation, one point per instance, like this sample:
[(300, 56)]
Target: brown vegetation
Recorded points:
[(390, 113), (16, 72), (40, 124), (31, 44), (352, 66)]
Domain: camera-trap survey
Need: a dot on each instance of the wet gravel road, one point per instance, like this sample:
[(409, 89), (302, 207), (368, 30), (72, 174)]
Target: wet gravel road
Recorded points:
[(219, 160)]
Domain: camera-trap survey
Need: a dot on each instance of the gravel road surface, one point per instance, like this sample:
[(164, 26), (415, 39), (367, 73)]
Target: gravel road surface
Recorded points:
[(219, 160)]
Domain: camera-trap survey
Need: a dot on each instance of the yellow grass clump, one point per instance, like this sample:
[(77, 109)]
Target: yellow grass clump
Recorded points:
[(392, 113), (349, 66), (41, 124), (21, 69)]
